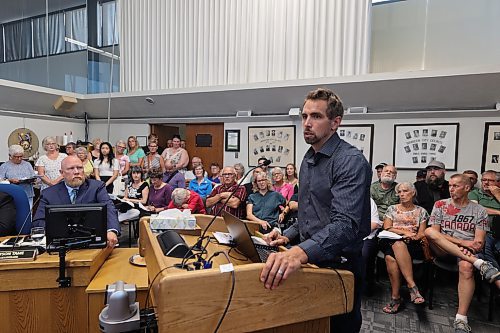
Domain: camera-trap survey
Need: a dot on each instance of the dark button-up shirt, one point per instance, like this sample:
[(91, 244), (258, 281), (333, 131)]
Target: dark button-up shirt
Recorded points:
[(334, 202)]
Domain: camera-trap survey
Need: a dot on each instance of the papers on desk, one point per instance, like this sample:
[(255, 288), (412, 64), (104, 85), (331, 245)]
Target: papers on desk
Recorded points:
[(223, 238), (389, 235)]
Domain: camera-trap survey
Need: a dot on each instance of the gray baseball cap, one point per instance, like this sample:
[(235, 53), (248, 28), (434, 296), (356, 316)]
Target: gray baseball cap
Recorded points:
[(435, 164)]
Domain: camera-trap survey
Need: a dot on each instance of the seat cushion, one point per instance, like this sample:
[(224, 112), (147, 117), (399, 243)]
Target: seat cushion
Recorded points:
[(7, 215)]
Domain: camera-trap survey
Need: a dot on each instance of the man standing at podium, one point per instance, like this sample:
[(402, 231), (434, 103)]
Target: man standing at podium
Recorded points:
[(76, 189), (334, 205)]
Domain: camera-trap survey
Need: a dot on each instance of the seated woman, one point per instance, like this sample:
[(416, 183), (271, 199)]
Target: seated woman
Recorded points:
[(160, 193), (187, 199), (200, 184), (265, 206), (279, 184), (408, 220), (136, 192)]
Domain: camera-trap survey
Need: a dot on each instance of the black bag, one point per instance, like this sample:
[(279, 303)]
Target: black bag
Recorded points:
[(7, 215)]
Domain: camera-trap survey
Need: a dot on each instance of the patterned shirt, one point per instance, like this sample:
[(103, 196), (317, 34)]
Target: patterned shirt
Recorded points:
[(459, 222), (406, 220), (136, 193), (52, 167), (240, 194), (19, 171), (334, 202)]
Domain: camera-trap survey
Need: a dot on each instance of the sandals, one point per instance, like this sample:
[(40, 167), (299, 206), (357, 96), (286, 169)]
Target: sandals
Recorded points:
[(415, 296), (393, 306)]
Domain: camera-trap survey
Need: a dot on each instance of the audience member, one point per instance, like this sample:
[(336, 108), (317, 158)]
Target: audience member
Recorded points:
[(458, 229), (189, 174), (134, 152), (434, 188), (264, 167), (378, 168), (94, 153), (176, 155), (240, 171), (173, 177), (408, 221), (200, 184), (291, 175), (421, 174), (169, 143), (88, 166), (136, 192), (70, 149), (106, 168), (220, 195), (383, 192), (279, 185), (122, 158), (49, 165), (472, 176), (153, 138), (214, 173), (152, 160), (7, 215), (160, 193), (19, 172), (291, 212), (187, 199), (265, 206), (76, 189), (183, 144), (249, 186), (370, 247)]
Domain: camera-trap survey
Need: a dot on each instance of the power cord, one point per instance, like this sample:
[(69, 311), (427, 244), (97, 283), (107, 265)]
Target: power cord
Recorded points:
[(233, 277), (343, 288)]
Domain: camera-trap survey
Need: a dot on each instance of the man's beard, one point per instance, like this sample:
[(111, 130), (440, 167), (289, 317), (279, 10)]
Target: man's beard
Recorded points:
[(75, 182), (387, 180), (435, 183)]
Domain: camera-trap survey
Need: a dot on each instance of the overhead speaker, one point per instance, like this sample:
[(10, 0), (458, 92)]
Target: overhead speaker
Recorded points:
[(357, 110), (65, 103), (244, 113)]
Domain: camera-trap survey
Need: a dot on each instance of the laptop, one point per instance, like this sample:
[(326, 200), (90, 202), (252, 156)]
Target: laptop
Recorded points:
[(243, 239)]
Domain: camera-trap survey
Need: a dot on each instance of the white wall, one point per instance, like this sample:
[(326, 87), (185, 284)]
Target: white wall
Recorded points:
[(118, 131), (41, 127)]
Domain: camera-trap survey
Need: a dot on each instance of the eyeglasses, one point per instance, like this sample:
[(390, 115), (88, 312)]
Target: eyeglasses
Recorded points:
[(484, 180), (227, 175), (51, 144), (19, 156), (121, 147)]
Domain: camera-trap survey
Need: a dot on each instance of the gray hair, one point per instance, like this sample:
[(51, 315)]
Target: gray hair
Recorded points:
[(81, 150), (262, 175), (242, 168), (179, 196), (49, 138), (15, 149), (278, 170), (407, 185), (120, 142), (497, 174)]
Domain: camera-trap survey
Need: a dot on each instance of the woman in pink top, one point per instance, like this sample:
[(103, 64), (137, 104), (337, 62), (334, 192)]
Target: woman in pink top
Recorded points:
[(279, 185)]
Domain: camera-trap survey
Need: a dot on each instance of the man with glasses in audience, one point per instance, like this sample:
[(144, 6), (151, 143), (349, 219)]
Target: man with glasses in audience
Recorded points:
[(434, 188), (220, 195), (490, 185)]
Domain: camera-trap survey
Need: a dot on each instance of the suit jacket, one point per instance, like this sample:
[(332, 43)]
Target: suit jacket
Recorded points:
[(91, 191)]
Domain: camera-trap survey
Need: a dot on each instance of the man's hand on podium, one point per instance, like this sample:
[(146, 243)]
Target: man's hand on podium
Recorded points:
[(112, 239), (280, 265)]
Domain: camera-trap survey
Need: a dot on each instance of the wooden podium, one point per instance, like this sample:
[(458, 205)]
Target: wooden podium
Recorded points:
[(194, 301), (30, 297)]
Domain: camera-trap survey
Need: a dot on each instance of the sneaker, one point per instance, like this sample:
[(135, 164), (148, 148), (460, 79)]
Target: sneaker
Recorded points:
[(489, 272), (461, 326)]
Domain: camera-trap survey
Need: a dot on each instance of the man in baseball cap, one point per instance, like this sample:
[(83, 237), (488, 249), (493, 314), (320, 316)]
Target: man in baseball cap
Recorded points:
[(379, 168), (435, 186)]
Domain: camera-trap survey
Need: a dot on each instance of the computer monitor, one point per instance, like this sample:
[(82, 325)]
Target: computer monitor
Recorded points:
[(78, 222)]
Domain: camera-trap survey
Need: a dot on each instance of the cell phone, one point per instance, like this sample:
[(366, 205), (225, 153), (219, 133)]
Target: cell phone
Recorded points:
[(12, 241)]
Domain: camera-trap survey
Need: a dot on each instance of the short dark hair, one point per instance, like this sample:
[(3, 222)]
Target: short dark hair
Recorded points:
[(156, 173), (334, 104)]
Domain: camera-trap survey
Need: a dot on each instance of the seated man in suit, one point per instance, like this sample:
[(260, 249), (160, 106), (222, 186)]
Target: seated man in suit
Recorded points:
[(76, 189)]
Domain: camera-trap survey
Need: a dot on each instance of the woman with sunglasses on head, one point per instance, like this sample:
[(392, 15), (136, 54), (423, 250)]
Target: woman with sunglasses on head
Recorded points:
[(122, 158), (106, 168), (134, 151), (153, 160)]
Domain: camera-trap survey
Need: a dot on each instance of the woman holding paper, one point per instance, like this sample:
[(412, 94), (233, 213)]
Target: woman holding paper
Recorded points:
[(408, 221), (19, 172)]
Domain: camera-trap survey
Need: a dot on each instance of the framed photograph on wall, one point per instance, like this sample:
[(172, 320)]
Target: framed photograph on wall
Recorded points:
[(416, 145), (491, 147), (232, 140), (360, 136), (276, 143)]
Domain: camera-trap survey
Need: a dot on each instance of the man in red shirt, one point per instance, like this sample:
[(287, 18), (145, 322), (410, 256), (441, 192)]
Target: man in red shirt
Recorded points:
[(220, 195)]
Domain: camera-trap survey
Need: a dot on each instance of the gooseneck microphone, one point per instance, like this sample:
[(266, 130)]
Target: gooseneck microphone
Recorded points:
[(198, 246)]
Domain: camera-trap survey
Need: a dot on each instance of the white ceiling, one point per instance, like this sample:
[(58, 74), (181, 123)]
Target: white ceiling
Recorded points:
[(477, 89)]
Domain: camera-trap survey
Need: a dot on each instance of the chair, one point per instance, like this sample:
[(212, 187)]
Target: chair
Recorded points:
[(447, 266), (415, 262), (23, 211)]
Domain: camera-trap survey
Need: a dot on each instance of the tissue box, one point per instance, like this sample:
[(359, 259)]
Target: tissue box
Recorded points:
[(163, 223)]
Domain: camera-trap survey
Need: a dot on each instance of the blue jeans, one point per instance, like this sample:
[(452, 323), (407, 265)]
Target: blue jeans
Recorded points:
[(491, 251)]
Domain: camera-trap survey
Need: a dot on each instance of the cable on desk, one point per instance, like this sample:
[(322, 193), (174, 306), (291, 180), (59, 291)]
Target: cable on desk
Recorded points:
[(230, 294)]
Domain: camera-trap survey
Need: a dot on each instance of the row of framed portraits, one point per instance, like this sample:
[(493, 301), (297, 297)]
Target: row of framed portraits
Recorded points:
[(415, 145)]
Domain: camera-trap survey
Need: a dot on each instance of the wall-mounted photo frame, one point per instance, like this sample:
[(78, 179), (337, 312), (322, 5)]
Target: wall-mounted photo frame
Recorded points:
[(491, 147), (276, 143), (142, 140), (232, 140), (415, 145), (360, 136)]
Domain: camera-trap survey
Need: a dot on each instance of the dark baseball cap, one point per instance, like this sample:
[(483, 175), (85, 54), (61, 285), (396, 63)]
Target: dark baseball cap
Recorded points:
[(380, 165), (421, 173), (435, 164)]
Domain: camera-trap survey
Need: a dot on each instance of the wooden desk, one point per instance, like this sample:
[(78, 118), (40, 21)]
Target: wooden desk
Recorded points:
[(194, 301), (116, 267), (30, 297)]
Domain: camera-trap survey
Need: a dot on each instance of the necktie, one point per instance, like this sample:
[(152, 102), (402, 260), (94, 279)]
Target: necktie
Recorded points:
[(74, 193)]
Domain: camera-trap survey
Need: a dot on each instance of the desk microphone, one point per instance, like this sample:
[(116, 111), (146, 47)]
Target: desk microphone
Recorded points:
[(198, 246), (24, 223)]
